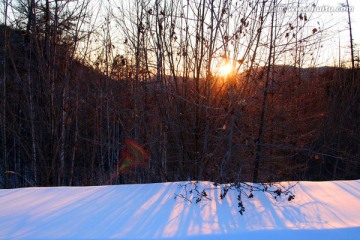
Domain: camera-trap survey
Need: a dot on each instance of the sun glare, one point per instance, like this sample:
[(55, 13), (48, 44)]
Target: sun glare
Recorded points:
[(225, 70)]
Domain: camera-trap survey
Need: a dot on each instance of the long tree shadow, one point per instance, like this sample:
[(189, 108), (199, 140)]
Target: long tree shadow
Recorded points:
[(150, 211)]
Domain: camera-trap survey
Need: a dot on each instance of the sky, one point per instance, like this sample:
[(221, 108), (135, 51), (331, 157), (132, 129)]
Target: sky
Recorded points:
[(337, 24), (338, 21)]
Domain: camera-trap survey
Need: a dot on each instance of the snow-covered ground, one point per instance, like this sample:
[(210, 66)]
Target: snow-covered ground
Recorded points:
[(321, 210)]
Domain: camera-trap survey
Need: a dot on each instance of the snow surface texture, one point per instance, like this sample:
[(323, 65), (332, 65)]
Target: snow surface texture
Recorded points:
[(321, 210)]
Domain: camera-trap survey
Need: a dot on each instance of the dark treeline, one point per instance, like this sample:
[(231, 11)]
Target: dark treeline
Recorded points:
[(139, 117)]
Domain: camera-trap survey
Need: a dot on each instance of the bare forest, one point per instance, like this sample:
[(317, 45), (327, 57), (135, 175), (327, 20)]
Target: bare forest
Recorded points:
[(141, 91)]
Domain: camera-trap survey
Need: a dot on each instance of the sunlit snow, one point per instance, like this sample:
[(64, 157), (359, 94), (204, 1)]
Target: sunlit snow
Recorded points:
[(321, 210)]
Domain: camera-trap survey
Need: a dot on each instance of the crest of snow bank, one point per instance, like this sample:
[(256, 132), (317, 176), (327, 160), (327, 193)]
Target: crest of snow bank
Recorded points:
[(321, 210)]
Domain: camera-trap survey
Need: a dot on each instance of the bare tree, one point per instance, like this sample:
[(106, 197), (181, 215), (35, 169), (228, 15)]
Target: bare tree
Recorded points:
[(4, 105)]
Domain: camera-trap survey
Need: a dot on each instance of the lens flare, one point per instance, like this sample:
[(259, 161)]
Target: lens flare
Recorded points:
[(132, 156)]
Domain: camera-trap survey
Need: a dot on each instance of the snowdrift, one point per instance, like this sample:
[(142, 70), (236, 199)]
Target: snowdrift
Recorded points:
[(321, 210)]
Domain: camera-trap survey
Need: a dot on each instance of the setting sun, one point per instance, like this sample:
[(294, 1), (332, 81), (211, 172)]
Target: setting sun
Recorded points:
[(225, 69)]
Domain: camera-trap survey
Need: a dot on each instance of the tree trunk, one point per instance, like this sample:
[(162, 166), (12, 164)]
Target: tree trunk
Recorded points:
[(260, 135), (4, 105)]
